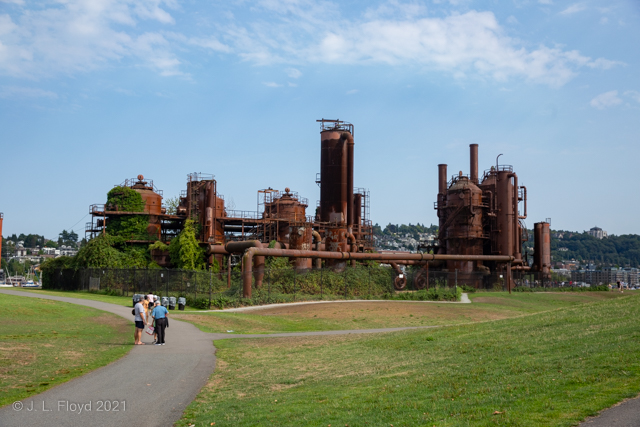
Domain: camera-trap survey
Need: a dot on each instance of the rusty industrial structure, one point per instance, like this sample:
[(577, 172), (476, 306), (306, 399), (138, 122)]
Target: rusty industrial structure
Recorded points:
[(481, 216), (480, 225), (340, 222)]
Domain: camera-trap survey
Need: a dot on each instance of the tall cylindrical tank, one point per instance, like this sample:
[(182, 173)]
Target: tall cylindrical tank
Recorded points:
[(334, 162), (210, 208), (336, 184), (464, 234), (505, 214), (152, 206), (542, 249)]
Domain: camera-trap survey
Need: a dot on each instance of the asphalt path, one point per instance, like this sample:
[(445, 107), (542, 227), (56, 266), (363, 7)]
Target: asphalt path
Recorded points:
[(152, 385)]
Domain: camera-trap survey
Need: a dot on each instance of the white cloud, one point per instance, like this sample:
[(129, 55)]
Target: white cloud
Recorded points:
[(71, 36), (25, 92), (512, 20), (352, 92), (606, 100), (79, 35), (293, 73), (462, 44), (271, 84), (545, 1), (574, 8), (633, 94)]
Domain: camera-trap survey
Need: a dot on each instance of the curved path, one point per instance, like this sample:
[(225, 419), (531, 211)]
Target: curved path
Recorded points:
[(155, 382)]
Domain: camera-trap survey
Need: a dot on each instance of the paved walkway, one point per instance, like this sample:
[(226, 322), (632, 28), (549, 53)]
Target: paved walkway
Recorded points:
[(155, 382), (464, 299)]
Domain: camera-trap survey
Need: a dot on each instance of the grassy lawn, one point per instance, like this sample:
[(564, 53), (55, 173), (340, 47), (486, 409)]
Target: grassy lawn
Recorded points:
[(118, 300), (387, 314), (44, 343), (552, 368)]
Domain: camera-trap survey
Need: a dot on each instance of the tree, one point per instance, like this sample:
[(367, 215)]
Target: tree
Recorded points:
[(172, 204), (184, 250), (51, 244)]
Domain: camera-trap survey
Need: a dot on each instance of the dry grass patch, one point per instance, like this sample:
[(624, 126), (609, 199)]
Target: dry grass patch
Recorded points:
[(36, 353)]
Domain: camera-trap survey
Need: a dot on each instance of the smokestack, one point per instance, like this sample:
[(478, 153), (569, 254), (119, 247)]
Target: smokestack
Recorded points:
[(442, 179), (350, 215), (474, 162)]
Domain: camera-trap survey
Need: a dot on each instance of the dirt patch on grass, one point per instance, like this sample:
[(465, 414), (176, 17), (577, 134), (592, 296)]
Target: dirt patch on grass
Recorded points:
[(370, 310), (116, 322), (13, 356)]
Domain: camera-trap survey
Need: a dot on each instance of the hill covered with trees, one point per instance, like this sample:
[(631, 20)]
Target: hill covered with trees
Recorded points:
[(613, 251)]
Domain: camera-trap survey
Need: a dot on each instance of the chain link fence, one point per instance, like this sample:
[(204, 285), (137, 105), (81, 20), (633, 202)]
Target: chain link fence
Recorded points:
[(203, 288)]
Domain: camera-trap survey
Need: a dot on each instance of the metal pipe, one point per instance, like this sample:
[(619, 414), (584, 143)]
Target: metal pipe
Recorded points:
[(442, 179), (247, 265), (317, 261), (350, 144), (474, 162)]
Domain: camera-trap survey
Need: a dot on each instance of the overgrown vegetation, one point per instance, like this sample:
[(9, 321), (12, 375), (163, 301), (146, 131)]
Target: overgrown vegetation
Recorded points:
[(184, 250), (130, 227)]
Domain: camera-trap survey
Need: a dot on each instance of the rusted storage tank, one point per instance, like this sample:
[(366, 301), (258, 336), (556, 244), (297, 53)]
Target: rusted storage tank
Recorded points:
[(464, 233), (505, 213), (152, 205), (300, 237), (542, 249), (292, 228), (285, 207), (210, 207), (336, 184)]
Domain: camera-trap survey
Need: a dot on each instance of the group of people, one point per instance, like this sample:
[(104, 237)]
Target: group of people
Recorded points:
[(149, 312)]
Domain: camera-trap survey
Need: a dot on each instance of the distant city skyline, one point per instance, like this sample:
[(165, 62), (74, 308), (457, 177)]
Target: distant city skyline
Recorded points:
[(93, 93)]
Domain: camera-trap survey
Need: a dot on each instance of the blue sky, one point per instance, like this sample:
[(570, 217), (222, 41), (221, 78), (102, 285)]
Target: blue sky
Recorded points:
[(96, 91)]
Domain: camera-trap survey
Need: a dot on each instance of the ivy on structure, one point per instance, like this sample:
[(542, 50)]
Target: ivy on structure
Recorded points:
[(132, 227), (184, 250)]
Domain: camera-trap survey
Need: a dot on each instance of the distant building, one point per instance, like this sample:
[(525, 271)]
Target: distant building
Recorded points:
[(598, 233), (611, 275)]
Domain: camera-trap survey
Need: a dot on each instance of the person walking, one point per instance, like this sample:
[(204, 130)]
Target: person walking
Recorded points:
[(140, 320), (153, 322), (160, 313)]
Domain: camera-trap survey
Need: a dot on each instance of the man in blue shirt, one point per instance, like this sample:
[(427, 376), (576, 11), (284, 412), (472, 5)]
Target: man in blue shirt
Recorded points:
[(160, 313)]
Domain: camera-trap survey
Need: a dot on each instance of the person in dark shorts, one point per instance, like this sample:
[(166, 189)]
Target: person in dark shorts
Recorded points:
[(140, 320), (160, 313)]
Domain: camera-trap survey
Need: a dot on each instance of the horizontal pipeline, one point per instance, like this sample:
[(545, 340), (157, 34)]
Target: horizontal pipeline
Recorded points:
[(247, 265)]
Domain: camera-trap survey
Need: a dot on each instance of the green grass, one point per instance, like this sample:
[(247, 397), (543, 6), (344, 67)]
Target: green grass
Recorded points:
[(118, 300), (388, 314), (553, 368), (44, 343)]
